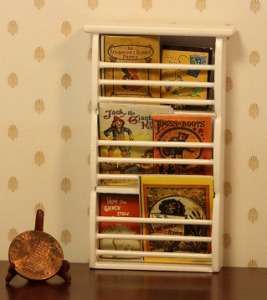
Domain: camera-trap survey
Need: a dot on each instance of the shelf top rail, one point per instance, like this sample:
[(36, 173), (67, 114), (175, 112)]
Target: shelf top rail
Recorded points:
[(171, 28)]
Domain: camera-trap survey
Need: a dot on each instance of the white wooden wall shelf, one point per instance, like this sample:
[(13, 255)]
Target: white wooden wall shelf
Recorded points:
[(214, 36)]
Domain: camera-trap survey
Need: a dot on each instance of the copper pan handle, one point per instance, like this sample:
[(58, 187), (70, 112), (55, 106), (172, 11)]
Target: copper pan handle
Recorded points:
[(39, 220)]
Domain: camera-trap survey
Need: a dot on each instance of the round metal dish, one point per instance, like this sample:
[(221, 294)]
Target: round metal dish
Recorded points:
[(36, 255)]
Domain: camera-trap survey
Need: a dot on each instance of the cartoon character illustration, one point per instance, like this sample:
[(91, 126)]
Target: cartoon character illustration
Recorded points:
[(184, 91), (198, 60), (181, 152), (129, 74), (118, 131)]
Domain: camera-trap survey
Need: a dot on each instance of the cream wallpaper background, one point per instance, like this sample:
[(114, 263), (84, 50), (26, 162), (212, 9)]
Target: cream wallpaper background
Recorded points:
[(44, 118)]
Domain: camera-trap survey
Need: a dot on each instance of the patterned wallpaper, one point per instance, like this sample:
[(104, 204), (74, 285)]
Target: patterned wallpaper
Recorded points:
[(44, 118)]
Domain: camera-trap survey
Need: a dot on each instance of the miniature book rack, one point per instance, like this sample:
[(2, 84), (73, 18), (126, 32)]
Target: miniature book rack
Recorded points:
[(210, 36)]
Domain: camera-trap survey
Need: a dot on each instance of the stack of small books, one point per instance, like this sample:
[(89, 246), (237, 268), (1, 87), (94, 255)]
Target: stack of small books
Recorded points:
[(173, 191), (162, 196)]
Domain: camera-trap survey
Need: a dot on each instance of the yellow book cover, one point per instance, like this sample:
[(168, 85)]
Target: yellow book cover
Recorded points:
[(131, 49), (183, 56), (181, 196)]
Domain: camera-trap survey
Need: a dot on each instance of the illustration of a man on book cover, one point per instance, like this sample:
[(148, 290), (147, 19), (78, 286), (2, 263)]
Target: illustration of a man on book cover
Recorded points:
[(126, 122), (118, 131)]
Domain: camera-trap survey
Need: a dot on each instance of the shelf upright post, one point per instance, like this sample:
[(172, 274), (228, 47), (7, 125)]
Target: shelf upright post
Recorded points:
[(218, 155), (93, 150)]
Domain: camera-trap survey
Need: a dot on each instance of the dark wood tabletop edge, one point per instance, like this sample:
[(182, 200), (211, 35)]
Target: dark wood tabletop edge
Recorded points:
[(232, 283)]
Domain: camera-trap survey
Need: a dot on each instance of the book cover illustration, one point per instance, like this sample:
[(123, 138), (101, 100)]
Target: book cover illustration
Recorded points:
[(185, 197), (131, 49), (127, 122), (119, 205), (183, 128), (185, 56)]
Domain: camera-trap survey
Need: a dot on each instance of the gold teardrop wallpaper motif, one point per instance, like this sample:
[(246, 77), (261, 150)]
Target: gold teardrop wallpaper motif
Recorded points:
[(39, 158), (13, 132), (226, 240), (253, 163), (45, 124), (12, 27), (255, 5), (39, 106), (229, 84), (66, 28), (254, 58), (253, 215), (65, 236), (66, 81), (65, 185), (200, 5), (13, 184), (254, 111), (39, 54), (147, 4), (39, 4), (66, 133), (228, 136), (227, 188), (93, 4), (13, 80)]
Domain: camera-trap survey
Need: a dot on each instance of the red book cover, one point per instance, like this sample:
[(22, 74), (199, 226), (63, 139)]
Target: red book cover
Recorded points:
[(186, 128), (119, 205)]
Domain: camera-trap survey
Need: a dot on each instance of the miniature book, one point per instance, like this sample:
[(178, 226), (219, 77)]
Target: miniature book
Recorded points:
[(127, 122), (119, 205), (176, 197), (183, 128), (130, 49), (185, 56)]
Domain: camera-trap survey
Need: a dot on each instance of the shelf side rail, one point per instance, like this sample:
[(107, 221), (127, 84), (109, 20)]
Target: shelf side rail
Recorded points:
[(218, 153), (93, 150)]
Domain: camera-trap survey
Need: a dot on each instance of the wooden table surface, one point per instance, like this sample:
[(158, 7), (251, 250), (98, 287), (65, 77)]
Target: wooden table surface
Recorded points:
[(229, 284)]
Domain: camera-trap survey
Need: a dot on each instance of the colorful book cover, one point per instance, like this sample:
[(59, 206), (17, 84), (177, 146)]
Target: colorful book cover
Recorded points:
[(131, 49), (119, 205), (127, 122), (185, 56), (185, 197), (183, 128)]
